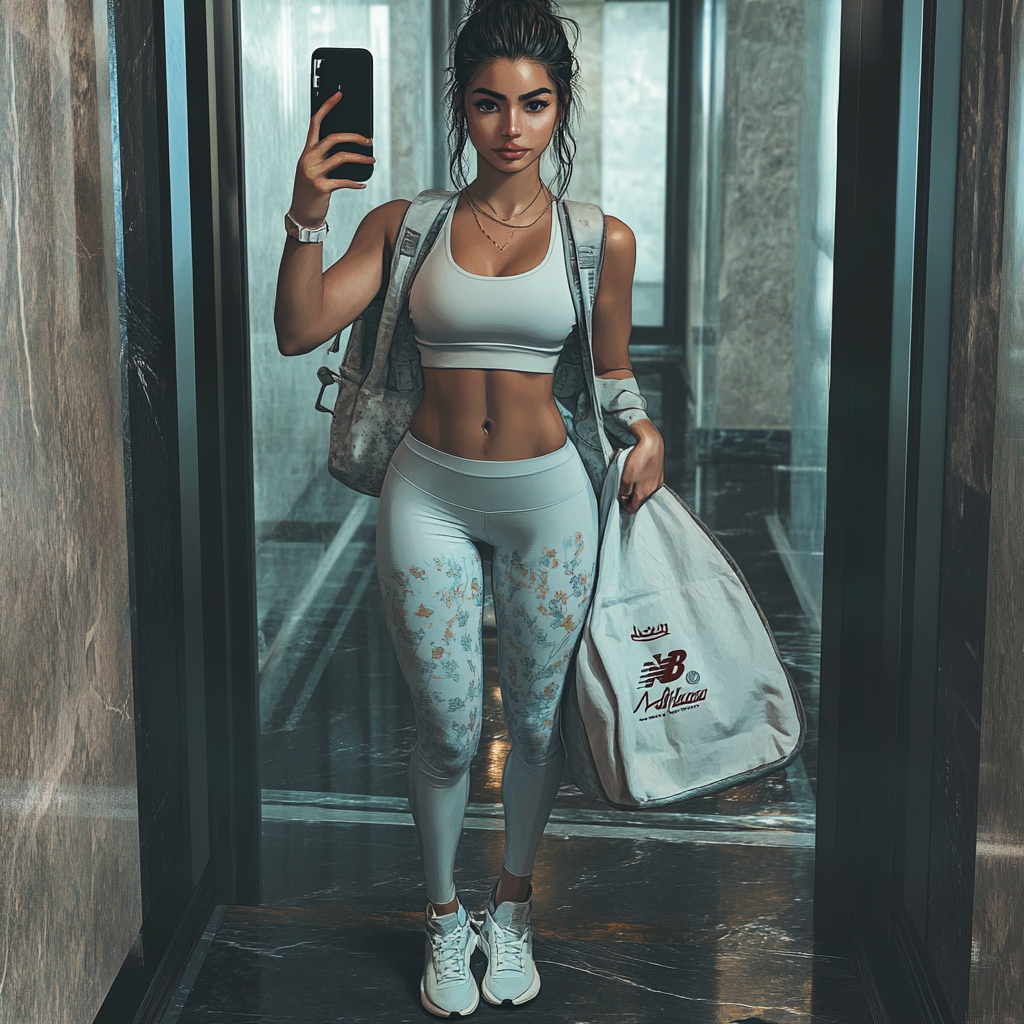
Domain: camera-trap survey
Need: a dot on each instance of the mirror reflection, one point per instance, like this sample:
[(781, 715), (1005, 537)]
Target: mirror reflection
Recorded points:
[(709, 128)]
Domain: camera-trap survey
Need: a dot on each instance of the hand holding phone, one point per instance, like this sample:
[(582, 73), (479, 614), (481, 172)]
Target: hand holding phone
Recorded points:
[(333, 159), (350, 72)]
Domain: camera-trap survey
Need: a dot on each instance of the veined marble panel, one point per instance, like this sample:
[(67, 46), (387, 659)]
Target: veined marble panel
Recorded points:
[(70, 903), (764, 71), (997, 931), (966, 655)]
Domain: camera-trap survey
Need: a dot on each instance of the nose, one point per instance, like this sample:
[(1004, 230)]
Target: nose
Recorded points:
[(511, 129)]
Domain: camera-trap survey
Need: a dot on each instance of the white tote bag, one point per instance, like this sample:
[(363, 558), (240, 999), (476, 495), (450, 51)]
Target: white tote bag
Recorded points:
[(679, 689)]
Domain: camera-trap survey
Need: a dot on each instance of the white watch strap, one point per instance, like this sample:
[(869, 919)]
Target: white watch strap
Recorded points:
[(303, 234)]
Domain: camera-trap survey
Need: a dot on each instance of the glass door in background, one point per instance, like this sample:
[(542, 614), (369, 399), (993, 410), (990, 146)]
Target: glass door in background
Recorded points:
[(730, 346)]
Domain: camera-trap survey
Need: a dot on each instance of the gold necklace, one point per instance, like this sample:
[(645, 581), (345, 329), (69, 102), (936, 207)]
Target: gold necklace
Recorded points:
[(519, 227), (508, 220), (500, 248), (505, 223), (515, 227)]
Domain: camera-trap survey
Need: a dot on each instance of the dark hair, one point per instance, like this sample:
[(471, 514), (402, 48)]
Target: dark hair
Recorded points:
[(514, 30)]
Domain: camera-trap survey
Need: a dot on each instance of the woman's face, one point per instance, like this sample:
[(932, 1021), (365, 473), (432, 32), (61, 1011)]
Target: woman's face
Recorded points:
[(511, 113)]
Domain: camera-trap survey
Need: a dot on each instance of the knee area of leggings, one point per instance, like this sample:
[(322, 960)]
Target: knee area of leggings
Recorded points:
[(538, 749), (446, 759), (533, 742)]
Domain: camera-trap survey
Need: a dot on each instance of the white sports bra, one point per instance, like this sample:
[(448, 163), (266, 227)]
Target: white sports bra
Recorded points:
[(492, 323)]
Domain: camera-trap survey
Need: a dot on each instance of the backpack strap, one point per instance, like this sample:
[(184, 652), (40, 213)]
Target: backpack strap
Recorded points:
[(416, 234), (583, 235), (588, 235)]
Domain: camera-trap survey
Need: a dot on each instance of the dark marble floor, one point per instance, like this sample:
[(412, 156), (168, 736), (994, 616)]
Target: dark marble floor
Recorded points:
[(699, 912), (627, 929)]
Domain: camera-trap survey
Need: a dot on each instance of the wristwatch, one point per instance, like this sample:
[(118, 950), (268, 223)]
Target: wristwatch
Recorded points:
[(303, 234)]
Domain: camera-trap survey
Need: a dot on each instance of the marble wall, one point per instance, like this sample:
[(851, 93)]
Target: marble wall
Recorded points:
[(762, 197), (996, 991), (70, 904), (764, 70), (967, 500)]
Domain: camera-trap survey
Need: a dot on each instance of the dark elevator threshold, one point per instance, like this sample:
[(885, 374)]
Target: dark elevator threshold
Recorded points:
[(626, 930)]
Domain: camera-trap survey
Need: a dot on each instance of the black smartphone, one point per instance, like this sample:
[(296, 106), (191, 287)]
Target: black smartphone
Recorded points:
[(351, 70)]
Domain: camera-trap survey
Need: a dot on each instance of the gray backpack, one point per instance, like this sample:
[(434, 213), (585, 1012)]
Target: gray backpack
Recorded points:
[(380, 380)]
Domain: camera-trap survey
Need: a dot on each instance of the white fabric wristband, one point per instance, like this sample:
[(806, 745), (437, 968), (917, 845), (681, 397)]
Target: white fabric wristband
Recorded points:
[(620, 400)]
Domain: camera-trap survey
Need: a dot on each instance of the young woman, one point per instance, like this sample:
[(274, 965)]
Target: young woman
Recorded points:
[(486, 458)]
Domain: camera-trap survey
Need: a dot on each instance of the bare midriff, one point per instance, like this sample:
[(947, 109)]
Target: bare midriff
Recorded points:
[(489, 415)]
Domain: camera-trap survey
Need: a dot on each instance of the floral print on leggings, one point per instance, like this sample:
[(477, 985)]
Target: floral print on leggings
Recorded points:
[(434, 611), (539, 604)]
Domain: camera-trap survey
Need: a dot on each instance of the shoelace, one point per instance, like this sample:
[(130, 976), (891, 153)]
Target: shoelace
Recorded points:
[(448, 954), (509, 950)]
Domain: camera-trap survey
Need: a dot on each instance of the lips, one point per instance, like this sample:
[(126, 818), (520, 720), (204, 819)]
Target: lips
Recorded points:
[(511, 154)]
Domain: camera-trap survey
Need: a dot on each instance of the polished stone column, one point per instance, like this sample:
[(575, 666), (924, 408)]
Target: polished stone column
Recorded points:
[(962, 653), (764, 71), (69, 844), (997, 931)]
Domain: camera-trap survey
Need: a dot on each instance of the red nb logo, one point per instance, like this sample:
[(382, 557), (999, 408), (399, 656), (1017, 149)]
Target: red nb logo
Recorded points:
[(662, 670)]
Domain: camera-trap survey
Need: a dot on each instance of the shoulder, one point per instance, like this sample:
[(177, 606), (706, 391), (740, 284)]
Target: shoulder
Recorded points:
[(619, 243), (619, 239), (619, 251), (386, 219)]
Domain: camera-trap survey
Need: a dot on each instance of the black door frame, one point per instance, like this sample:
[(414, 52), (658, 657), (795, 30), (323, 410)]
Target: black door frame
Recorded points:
[(669, 340), (896, 200), (193, 612)]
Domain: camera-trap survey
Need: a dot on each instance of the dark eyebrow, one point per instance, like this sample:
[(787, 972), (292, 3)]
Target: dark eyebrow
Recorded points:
[(526, 95)]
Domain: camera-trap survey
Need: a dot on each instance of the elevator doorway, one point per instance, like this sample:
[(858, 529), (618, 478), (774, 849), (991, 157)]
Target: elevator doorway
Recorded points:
[(736, 101)]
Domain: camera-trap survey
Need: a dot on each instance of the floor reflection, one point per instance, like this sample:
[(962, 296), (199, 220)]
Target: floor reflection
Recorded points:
[(627, 930), (697, 912)]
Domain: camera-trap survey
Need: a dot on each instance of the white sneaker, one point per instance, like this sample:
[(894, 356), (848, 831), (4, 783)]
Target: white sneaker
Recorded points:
[(448, 988), (506, 937)]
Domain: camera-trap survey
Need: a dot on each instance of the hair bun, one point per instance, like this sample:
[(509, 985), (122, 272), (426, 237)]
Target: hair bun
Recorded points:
[(543, 5)]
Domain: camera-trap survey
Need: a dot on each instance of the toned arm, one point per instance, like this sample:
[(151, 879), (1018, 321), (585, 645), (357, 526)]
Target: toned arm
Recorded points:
[(644, 471), (312, 306), (613, 304)]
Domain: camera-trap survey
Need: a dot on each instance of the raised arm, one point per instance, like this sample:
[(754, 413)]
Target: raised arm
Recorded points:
[(311, 305), (644, 471)]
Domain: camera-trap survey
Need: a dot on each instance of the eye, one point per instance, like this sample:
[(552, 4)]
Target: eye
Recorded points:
[(536, 106), (485, 106)]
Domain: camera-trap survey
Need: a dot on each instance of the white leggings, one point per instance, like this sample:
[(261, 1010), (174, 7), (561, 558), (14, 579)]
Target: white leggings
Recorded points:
[(540, 515)]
